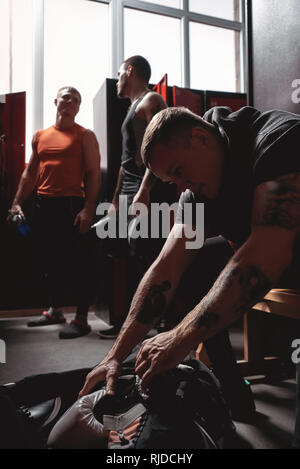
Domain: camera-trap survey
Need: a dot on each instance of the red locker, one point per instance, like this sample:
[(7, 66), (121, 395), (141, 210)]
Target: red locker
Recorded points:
[(12, 136)]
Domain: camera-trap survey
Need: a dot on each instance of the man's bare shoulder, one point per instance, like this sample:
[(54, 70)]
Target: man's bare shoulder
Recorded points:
[(150, 105), (89, 134), (153, 98)]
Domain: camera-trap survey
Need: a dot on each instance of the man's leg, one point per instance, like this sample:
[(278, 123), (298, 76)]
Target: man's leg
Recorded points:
[(80, 259), (127, 261), (47, 232), (123, 271)]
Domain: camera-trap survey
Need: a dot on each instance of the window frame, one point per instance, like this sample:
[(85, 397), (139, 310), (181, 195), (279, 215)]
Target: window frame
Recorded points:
[(116, 42), (185, 16)]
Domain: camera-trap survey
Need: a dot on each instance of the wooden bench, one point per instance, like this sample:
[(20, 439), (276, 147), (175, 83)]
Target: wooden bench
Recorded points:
[(281, 302)]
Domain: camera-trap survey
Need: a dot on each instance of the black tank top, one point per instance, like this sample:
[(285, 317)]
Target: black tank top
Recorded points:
[(133, 129)]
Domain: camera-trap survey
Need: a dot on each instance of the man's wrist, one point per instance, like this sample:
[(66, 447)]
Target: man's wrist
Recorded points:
[(187, 335), (116, 355), (15, 204), (88, 205)]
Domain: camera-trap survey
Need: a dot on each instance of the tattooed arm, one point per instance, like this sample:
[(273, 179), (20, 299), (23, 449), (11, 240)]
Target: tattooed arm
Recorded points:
[(150, 300), (250, 274)]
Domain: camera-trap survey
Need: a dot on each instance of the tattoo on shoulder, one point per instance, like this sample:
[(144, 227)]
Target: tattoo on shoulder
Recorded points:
[(154, 304), (282, 205)]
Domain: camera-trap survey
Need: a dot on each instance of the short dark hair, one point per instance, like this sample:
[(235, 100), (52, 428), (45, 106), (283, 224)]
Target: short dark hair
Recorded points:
[(70, 88), (141, 66), (172, 125)]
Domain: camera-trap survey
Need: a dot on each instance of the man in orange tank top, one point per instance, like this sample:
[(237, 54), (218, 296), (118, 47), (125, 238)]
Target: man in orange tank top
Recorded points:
[(65, 168)]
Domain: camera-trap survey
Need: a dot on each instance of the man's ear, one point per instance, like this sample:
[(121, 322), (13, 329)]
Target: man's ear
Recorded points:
[(129, 70), (55, 102), (199, 135)]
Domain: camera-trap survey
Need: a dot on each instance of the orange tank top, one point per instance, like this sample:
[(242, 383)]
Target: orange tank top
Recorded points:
[(61, 161)]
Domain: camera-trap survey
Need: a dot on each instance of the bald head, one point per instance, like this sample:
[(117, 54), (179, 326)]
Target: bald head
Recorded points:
[(70, 89)]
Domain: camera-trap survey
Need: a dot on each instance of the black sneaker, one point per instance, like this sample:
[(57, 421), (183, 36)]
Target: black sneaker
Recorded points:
[(73, 330), (46, 319), (110, 333)]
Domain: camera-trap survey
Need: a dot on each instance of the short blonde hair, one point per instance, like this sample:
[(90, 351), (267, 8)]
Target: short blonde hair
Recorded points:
[(170, 126)]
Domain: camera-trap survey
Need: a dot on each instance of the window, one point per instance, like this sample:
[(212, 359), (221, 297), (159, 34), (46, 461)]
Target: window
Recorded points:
[(5, 48), (226, 9), (167, 3), (213, 58), (46, 44), (161, 49), (76, 45), (16, 71)]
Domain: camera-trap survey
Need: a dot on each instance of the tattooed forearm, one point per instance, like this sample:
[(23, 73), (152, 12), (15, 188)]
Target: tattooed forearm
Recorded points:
[(208, 320), (154, 304), (237, 288), (281, 203)]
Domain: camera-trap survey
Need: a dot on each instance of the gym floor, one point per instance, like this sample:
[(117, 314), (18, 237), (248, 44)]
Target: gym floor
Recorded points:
[(38, 350)]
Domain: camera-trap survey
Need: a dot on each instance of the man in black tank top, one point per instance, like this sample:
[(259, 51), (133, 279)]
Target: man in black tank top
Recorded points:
[(134, 181), (134, 75), (133, 169)]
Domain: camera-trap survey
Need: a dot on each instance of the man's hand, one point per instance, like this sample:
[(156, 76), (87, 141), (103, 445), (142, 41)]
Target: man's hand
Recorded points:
[(108, 370), (161, 353), (15, 210), (84, 220)]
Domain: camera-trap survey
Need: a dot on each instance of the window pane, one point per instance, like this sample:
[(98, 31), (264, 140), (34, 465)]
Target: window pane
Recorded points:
[(167, 3), (22, 64), (76, 53), (161, 49), (4, 49), (227, 9), (213, 58)]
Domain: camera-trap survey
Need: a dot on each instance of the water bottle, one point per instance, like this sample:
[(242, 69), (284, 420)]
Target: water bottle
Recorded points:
[(21, 225)]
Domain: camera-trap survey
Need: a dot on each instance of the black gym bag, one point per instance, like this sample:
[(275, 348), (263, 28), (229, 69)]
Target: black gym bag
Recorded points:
[(183, 408)]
